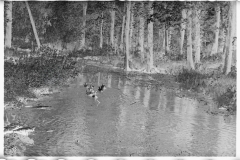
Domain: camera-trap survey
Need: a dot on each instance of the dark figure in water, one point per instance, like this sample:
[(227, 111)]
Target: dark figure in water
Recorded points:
[(102, 88)]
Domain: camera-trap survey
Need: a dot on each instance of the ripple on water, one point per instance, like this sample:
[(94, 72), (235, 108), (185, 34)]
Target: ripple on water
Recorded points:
[(130, 120)]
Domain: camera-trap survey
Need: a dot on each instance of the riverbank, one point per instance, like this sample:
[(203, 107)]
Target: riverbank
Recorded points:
[(207, 81), (38, 76), (35, 78)]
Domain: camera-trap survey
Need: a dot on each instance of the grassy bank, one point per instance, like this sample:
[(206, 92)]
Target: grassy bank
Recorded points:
[(20, 80), (37, 72), (222, 88), (49, 70)]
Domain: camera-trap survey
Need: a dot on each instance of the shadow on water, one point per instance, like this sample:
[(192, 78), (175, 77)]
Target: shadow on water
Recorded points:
[(131, 120)]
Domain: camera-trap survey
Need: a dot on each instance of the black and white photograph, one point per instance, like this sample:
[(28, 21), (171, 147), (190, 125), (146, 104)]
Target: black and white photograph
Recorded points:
[(120, 78)]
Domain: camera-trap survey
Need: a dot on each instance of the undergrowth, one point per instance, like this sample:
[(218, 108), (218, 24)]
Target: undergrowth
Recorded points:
[(35, 72), (175, 57), (220, 87), (212, 58), (191, 79), (105, 50)]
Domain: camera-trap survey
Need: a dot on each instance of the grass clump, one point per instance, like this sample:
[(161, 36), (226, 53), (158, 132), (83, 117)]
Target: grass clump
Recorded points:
[(220, 87), (227, 99), (191, 79)]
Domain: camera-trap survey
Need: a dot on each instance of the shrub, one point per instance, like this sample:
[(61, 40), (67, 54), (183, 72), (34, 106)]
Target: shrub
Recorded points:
[(136, 54), (212, 58), (228, 98), (222, 88), (191, 79), (233, 72), (47, 51), (173, 57), (35, 72)]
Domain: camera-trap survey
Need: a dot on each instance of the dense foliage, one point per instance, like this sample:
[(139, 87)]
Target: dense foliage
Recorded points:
[(221, 88), (35, 72), (63, 20), (60, 29)]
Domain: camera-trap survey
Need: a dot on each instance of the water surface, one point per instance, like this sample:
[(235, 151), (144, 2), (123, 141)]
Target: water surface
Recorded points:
[(130, 120)]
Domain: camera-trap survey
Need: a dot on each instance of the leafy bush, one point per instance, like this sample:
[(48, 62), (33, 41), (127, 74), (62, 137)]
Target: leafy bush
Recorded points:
[(173, 57), (233, 72), (105, 50), (191, 79), (212, 58), (179, 57), (35, 72), (222, 88), (47, 51), (136, 54), (228, 99)]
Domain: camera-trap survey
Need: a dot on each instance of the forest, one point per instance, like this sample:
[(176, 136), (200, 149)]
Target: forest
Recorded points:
[(140, 36), (192, 42)]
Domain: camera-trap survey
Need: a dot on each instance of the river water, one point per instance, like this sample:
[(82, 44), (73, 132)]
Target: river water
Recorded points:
[(130, 120)]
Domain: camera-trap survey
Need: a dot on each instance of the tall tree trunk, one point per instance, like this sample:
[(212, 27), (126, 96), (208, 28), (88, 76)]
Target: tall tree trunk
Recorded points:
[(112, 25), (197, 37), (223, 33), (116, 44), (127, 36), (169, 38), (33, 25), (150, 39), (189, 42), (122, 34), (141, 33), (164, 39), (230, 38), (109, 81), (234, 43), (84, 23), (131, 27), (183, 28), (101, 32), (8, 36), (159, 39), (215, 44)]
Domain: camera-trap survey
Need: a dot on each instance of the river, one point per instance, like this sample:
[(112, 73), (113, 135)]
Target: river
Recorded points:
[(130, 120)]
